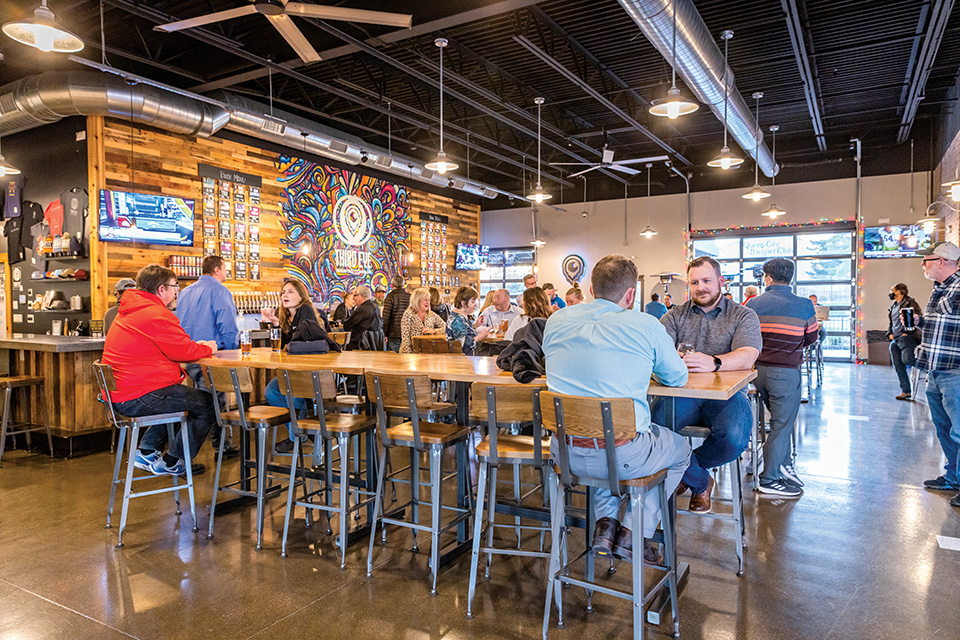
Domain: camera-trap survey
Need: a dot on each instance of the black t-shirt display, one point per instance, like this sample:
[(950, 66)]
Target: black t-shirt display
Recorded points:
[(12, 232), (75, 204)]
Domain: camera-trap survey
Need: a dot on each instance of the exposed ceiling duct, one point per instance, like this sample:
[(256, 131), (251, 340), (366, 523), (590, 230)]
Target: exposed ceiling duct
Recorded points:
[(700, 63), (44, 99)]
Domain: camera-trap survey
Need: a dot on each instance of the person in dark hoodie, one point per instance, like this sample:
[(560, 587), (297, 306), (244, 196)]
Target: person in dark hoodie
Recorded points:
[(145, 347), (298, 322)]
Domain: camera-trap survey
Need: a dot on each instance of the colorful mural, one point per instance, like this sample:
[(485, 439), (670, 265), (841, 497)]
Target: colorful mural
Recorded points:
[(342, 229)]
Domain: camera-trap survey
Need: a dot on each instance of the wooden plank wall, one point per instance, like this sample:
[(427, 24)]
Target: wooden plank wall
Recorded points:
[(145, 160)]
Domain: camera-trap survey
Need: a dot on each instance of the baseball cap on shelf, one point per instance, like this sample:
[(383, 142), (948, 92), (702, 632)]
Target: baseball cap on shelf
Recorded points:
[(81, 274), (67, 273), (945, 250), (123, 284), (37, 275)]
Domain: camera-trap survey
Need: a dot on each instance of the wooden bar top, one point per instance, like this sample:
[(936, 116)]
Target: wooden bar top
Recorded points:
[(457, 368), (55, 344)]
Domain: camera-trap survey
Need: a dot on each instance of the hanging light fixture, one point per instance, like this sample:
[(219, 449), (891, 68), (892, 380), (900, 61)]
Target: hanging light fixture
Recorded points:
[(649, 232), (42, 32), (441, 164), (774, 211), (726, 159), (538, 195), (674, 105), (537, 241), (756, 194), (954, 186)]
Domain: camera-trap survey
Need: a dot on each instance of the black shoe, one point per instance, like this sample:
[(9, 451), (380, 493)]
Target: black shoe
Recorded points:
[(284, 446), (955, 500), (229, 451), (940, 484), (198, 469), (604, 533)]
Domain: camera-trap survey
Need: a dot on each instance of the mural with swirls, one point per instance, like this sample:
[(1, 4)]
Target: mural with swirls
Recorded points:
[(342, 229)]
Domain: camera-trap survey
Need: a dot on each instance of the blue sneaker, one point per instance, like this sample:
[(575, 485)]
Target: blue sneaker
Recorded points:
[(159, 468), (143, 462)]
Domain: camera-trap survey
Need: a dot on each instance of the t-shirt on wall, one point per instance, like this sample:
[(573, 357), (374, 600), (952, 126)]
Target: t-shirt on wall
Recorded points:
[(75, 203)]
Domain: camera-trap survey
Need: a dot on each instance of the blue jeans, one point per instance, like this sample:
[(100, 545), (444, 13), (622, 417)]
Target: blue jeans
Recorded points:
[(780, 390), (902, 356), (943, 396), (729, 422), (199, 382), (646, 454), (275, 398), (393, 344), (177, 397)]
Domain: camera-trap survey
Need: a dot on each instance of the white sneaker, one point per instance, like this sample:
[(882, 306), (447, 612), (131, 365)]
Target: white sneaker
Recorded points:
[(780, 488), (790, 475)]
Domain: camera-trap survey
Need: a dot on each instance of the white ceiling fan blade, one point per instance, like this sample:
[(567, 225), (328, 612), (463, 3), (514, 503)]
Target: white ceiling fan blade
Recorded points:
[(573, 164), (622, 169), (327, 12), (199, 21), (580, 173), (642, 160), (294, 37)]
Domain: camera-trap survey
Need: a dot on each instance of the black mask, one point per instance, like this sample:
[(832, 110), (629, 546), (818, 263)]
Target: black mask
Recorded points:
[(892, 297)]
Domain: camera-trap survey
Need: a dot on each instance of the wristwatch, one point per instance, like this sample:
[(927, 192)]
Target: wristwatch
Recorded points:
[(717, 362)]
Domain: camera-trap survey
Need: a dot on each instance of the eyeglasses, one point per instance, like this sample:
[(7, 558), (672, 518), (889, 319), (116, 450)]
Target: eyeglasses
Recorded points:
[(175, 285), (926, 260)]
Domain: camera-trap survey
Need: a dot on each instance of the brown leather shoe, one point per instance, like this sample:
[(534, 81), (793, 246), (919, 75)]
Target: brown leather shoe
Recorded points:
[(604, 533), (682, 488), (623, 548), (700, 502)]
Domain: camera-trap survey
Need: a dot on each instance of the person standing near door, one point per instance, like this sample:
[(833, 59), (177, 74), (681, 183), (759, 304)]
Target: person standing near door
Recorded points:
[(903, 343)]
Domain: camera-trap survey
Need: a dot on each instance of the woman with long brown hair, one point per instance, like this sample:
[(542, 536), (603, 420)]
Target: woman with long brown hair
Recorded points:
[(535, 305)]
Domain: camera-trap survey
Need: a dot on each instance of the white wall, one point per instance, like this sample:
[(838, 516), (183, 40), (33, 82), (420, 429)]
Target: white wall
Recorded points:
[(601, 232)]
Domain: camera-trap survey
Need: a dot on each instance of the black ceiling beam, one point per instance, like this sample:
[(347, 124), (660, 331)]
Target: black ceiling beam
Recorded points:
[(922, 61), (800, 39)]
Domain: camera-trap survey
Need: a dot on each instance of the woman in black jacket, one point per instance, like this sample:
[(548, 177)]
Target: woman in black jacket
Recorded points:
[(903, 343)]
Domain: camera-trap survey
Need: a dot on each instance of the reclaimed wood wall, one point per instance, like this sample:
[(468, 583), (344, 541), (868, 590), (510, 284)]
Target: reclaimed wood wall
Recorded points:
[(127, 157)]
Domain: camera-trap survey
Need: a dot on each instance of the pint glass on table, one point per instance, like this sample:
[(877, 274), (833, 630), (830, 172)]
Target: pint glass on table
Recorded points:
[(245, 342), (275, 339)]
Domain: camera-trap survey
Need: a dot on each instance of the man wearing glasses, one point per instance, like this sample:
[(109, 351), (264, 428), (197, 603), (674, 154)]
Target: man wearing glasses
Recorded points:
[(939, 355), (145, 347)]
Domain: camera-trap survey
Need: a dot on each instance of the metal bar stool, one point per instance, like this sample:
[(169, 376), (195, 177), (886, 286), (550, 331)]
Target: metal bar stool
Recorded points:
[(9, 428), (758, 437), (261, 418), (498, 406), (419, 436), (609, 419), (107, 384), (317, 386), (736, 499)]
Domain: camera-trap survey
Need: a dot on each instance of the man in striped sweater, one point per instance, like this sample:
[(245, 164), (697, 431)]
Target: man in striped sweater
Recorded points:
[(788, 324)]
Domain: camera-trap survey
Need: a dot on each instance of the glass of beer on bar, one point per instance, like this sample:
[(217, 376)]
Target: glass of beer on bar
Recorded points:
[(275, 339), (503, 327), (245, 342)]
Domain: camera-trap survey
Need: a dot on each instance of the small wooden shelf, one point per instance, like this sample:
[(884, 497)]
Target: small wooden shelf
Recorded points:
[(61, 258), (59, 279)]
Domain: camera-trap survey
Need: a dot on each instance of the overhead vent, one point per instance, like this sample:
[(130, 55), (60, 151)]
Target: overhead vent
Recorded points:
[(338, 146), (426, 174), (383, 161), (273, 125)]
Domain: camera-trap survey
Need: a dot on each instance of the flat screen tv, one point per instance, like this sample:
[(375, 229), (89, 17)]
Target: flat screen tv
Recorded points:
[(471, 257), (145, 218), (895, 241)]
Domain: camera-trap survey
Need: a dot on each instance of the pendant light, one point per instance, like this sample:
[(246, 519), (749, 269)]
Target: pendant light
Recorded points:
[(953, 187), (42, 32), (441, 164), (756, 194), (726, 159), (649, 232), (674, 105), (538, 195), (537, 241), (774, 211)]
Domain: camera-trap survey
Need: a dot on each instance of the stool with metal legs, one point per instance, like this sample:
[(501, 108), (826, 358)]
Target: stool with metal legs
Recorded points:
[(8, 427), (758, 437), (318, 387), (259, 418), (736, 499), (496, 406), (419, 436), (123, 424), (606, 419)]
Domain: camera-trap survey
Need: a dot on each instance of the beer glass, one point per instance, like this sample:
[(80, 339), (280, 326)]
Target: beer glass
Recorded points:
[(245, 342), (275, 339)]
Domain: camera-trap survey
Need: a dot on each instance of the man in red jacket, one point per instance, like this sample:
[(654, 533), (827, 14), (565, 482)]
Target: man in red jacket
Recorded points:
[(145, 346)]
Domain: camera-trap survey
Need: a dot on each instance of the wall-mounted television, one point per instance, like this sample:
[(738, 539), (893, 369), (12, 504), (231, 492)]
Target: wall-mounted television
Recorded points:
[(471, 257), (895, 241), (145, 218)]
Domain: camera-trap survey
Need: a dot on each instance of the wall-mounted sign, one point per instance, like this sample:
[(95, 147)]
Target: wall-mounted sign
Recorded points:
[(573, 268), (229, 175), (434, 217)]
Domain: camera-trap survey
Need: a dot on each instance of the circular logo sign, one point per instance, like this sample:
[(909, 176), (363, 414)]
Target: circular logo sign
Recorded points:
[(352, 220)]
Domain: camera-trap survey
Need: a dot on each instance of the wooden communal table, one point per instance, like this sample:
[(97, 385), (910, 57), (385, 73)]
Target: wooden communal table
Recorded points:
[(66, 363)]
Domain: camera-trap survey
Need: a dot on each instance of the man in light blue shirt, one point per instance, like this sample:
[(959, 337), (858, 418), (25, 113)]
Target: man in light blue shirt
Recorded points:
[(207, 312), (655, 307), (605, 349)]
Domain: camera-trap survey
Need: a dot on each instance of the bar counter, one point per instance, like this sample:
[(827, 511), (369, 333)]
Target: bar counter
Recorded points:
[(66, 363)]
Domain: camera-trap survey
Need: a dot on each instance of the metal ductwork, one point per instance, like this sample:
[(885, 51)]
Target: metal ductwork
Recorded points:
[(700, 63), (43, 99)]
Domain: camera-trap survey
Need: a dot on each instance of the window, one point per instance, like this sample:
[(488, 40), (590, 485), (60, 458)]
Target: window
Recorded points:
[(505, 270)]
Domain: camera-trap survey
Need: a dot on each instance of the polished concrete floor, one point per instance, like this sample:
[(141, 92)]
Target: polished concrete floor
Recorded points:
[(856, 557)]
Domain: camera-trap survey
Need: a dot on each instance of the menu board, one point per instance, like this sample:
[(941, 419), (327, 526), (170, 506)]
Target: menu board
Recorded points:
[(433, 254), (231, 226)]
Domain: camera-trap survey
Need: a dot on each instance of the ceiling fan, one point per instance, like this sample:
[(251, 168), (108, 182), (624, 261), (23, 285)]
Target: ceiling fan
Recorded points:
[(608, 163), (278, 12)]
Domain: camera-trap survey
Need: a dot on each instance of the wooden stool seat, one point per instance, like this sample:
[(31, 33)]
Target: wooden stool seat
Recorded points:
[(15, 382), (259, 416), (514, 447), (339, 423), (433, 433)]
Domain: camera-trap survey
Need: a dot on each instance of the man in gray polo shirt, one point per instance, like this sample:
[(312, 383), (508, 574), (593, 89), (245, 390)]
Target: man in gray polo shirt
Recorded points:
[(724, 336)]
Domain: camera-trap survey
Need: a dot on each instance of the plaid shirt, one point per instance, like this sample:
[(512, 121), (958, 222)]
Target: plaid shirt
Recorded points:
[(940, 347)]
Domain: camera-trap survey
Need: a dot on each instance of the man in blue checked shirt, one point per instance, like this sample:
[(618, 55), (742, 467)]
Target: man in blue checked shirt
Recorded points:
[(939, 355)]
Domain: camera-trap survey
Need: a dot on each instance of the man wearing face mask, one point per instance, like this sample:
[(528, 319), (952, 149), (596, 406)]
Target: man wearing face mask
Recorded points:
[(903, 343)]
